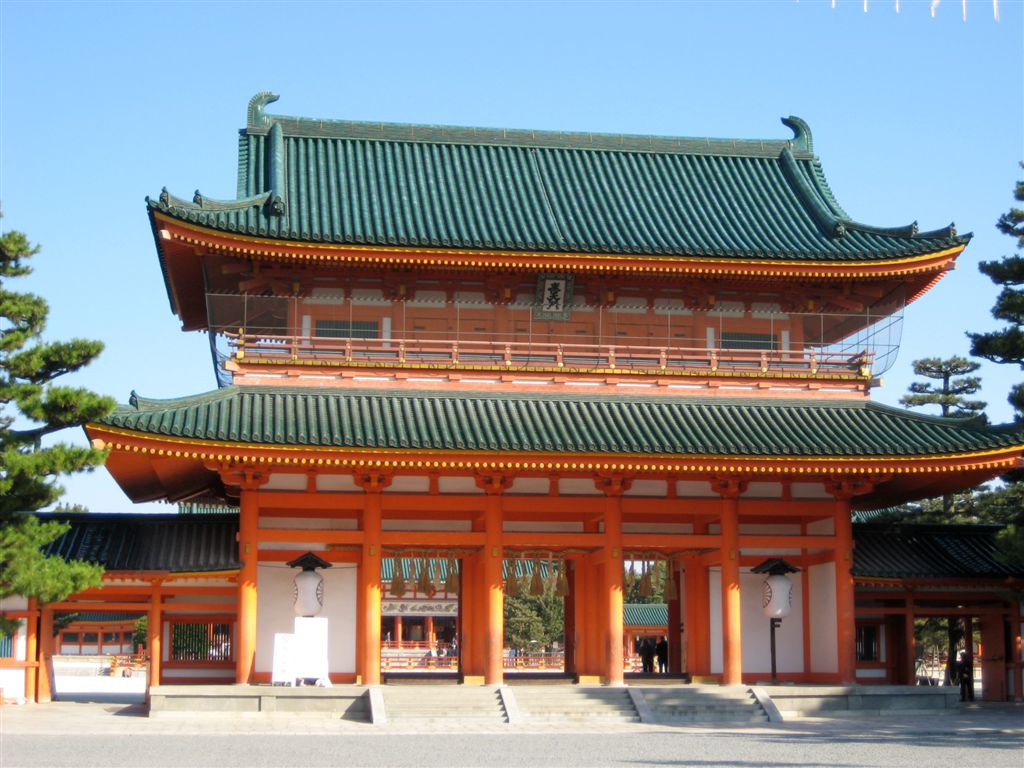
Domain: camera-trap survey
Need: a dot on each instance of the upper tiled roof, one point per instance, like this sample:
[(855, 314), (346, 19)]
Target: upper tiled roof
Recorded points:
[(529, 422), (907, 551), (176, 543), (532, 191)]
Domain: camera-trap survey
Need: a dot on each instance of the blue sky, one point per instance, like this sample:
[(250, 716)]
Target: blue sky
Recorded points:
[(914, 117)]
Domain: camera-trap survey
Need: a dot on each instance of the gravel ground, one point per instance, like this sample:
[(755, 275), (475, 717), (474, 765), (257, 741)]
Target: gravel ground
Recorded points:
[(98, 734)]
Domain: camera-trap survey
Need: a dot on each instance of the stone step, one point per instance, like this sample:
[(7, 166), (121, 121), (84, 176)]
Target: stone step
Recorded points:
[(443, 704)]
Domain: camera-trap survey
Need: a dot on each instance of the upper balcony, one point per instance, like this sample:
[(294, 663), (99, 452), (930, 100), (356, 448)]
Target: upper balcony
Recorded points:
[(251, 336)]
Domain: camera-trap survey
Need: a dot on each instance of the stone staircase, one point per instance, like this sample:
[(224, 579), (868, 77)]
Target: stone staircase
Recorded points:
[(574, 704), (703, 704), (443, 703)]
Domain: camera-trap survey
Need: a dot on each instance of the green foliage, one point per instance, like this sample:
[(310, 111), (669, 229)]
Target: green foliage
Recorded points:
[(31, 408), (951, 395), (633, 586), (25, 570), (1007, 344), (534, 621), (141, 636)]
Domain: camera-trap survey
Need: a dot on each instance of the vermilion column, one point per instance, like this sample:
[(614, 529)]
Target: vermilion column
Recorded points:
[(369, 577), (675, 618), (494, 593), (398, 620), (31, 648), (248, 555), (846, 632), (155, 636), (569, 626), (43, 689), (613, 488), (732, 637)]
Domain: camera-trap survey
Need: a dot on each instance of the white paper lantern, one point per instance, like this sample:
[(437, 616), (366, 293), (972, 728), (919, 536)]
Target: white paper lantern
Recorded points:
[(309, 593), (777, 596)]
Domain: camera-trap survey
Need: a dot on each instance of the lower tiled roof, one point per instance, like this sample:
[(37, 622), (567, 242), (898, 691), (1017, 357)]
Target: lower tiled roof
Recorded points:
[(905, 551), (645, 615), (175, 543), (528, 422), (198, 543)]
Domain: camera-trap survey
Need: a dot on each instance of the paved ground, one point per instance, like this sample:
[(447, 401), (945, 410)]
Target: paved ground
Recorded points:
[(104, 734)]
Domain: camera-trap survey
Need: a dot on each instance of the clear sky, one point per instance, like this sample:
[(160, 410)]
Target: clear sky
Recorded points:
[(914, 116)]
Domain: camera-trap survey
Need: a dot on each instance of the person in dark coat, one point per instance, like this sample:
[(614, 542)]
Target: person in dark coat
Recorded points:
[(661, 649), (965, 673), (647, 656)]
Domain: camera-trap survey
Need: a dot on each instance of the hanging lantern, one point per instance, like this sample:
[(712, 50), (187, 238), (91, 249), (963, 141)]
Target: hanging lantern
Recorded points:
[(536, 581), (512, 580), (451, 582), (397, 582), (308, 585), (669, 591), (423, 583), (645, 589), (562, 583), (777, 590)]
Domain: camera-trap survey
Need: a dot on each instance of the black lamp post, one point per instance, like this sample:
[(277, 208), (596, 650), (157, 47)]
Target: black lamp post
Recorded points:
[(776, 596)]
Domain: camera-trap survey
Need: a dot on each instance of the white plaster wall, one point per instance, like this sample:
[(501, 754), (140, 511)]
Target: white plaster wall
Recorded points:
[(754, 627), (824, 527), (656, 488), (577, 486), (308, 524), (822, 606), (657, 528), (426, 525), (528, 526), (809, 491), (763, 491), (530, 485), (275, 613)]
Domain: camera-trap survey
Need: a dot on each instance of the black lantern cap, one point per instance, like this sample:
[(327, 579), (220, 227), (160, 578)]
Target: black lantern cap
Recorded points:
[(308, 562), (775, 566)]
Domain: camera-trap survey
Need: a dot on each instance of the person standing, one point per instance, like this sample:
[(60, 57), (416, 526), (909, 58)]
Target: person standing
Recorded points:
[(965, 673), (661, 649)]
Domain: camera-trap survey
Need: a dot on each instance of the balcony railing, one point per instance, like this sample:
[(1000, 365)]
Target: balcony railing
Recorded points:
[(525, 355)]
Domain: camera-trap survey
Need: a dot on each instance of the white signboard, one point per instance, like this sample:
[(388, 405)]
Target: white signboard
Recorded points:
[(310, 648), (284, 653)]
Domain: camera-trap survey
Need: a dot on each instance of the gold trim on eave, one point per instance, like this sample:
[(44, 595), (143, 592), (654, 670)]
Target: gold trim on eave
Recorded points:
[(235, 453), (374, 255)]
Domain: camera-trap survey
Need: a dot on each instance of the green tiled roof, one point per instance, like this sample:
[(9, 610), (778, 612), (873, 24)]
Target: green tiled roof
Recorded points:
[(907, 551), (645, 615), (128, 542), (429, 186), (528, 422)]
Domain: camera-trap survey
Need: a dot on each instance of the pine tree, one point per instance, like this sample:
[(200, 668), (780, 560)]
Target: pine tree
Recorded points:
[(951, 396), (31, 408), (1007, 346)]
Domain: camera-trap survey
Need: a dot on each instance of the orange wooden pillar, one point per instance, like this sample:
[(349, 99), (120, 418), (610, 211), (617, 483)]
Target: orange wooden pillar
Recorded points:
[(675, 620), (494, 593), (569, 640), (248, 555), (31, 648), (846, 630), (732, 638), (398, 620), (44, 688), (155, 636), (586, 620), (369, 578), (611, 583)]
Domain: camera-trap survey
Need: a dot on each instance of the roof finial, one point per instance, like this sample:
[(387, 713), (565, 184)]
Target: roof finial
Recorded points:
[(802, 140), (256, 105)]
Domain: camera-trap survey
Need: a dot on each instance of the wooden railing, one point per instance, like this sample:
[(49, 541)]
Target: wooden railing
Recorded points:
[(525, 355)]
